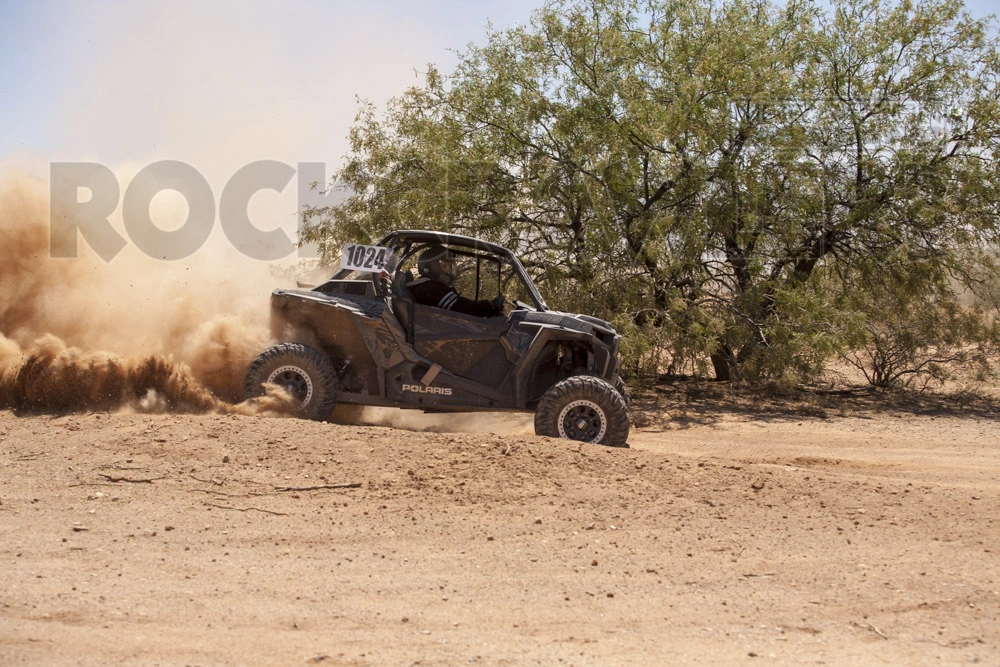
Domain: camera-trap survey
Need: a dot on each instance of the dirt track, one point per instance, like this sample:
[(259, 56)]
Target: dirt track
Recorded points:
[(717, 538)]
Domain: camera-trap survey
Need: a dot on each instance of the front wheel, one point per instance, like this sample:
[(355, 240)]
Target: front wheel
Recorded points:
[(304, 372), (583, 408), (623, 390)]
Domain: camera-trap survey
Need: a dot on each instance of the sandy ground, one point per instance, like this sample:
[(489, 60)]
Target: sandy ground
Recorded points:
[(720, 537)]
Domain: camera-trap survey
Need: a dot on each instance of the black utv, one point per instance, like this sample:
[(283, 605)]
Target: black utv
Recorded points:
[(362, 338)]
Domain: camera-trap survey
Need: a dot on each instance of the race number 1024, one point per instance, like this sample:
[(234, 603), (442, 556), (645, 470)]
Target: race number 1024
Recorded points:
[(364, 258)]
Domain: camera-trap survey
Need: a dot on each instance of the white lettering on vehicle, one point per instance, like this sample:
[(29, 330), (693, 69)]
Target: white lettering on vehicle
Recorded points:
[(421, 389)]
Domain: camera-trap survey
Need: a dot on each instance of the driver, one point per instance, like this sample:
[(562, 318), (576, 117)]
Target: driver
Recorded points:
[(436, 266)]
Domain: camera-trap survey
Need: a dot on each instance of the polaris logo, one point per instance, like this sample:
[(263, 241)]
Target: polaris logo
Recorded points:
[(421, 389)]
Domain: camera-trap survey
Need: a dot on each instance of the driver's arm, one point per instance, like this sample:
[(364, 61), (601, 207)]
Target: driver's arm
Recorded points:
[(433, 293)]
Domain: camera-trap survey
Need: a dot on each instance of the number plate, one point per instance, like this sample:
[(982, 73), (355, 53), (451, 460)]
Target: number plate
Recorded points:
[(368, 258)]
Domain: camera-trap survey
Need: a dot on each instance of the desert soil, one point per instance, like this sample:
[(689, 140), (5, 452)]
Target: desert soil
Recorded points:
[(721, 536)]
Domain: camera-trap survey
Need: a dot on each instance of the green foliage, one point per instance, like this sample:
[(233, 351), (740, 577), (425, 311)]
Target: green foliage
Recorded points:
[(913, 328), (916, 336), (706, 176)]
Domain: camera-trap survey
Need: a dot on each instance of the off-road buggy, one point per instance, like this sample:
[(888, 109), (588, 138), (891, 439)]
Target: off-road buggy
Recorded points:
[(360, 338)]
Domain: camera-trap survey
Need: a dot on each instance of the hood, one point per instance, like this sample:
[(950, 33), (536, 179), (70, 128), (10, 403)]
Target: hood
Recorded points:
[(572, 321)]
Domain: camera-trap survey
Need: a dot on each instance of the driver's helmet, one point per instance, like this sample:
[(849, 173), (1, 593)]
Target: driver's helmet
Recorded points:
[(437, 263)]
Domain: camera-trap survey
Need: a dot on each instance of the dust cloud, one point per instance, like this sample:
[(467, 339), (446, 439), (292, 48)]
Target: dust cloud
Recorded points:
[(86, 334), (155, 335)]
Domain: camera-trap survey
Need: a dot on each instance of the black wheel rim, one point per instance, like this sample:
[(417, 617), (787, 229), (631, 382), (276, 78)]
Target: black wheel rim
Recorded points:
[(295, 381), (583, 421)]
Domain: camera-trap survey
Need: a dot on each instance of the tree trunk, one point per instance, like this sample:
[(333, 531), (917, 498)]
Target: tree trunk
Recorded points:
[(725, 365)]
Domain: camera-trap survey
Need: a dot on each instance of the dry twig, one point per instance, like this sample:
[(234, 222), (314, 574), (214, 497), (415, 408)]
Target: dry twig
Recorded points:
[(223, 493), (869, 627), (245, 509), (131, 480), (205, 481), (352, 485)]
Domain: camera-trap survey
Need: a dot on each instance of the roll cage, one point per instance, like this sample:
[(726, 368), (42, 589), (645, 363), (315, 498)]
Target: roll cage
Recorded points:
[(406, 245)]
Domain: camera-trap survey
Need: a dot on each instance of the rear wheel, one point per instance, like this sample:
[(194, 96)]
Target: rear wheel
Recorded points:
[(304, 372), (583, 408)]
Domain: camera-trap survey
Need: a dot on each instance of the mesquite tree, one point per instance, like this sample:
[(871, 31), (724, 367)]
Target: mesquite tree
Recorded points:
[(702, 173)]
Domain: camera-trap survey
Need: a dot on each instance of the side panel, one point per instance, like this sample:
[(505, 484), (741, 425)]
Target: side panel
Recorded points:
[(417, 385), (466, 345)]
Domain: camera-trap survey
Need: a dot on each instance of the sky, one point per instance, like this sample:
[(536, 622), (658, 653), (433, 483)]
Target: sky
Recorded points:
[(126, 80), (116, 80)]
